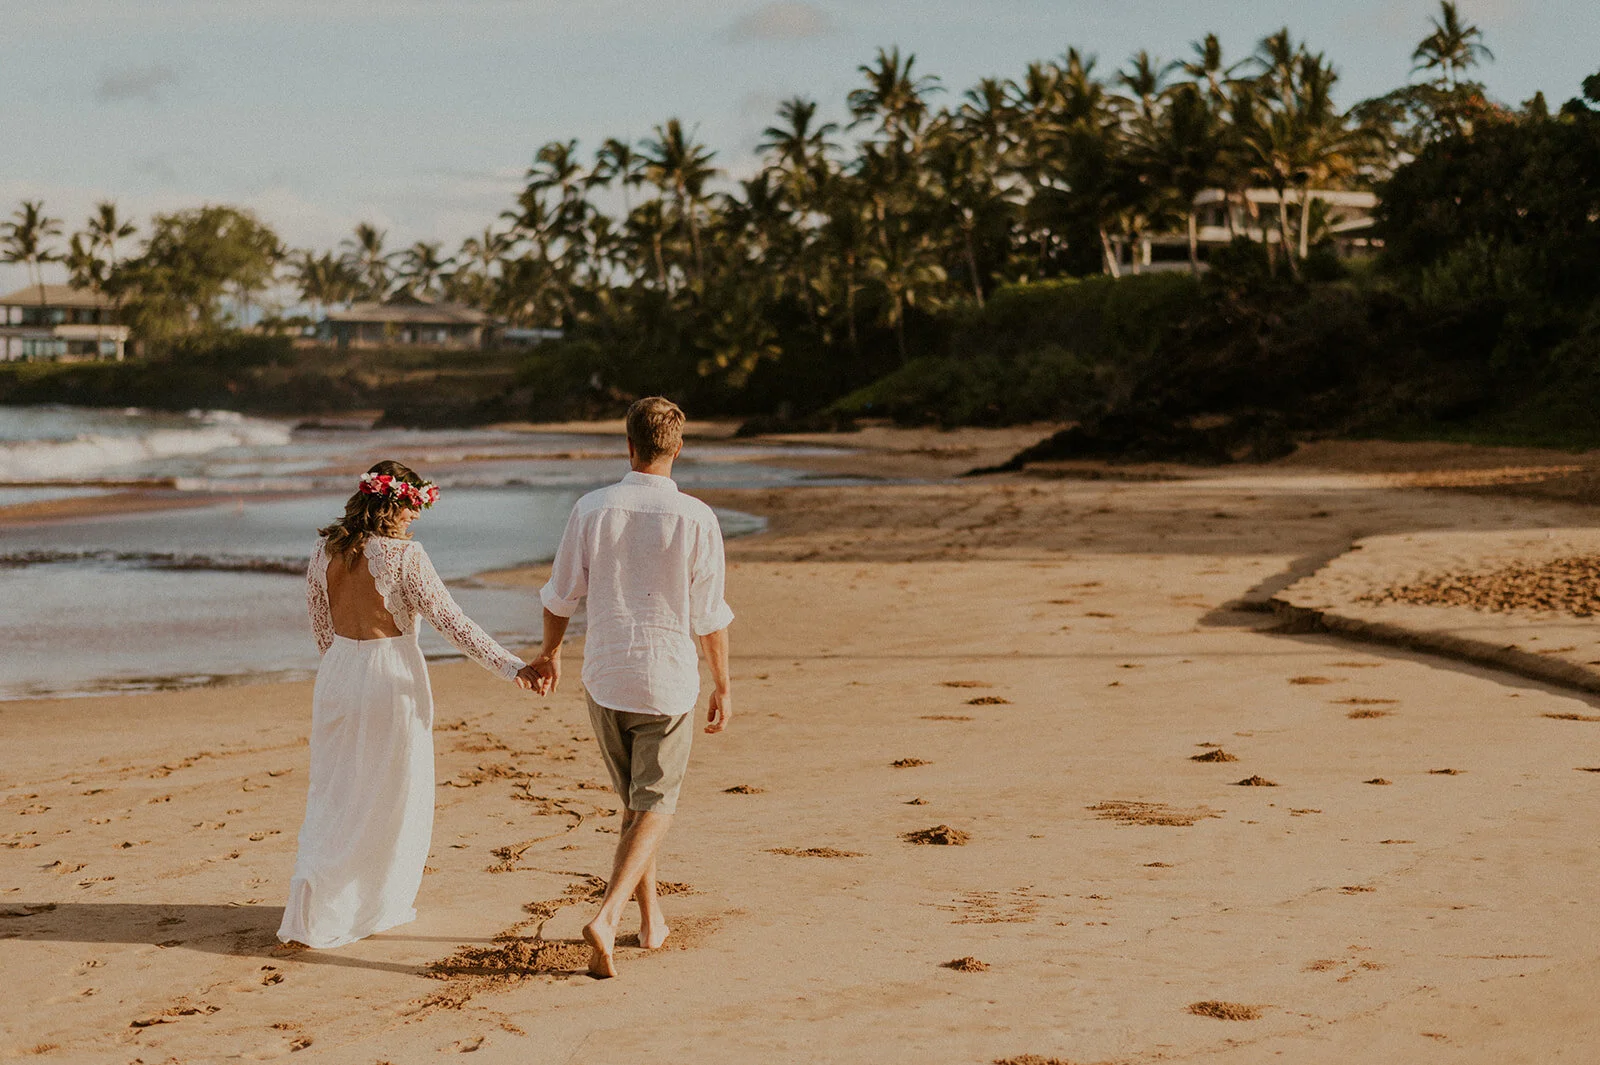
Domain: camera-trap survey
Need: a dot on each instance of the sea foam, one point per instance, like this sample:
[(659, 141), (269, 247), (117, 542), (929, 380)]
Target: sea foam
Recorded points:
[(89, 455)]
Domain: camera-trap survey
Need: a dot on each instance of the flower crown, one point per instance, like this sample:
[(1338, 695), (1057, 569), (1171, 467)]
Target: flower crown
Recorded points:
[(420, 496)]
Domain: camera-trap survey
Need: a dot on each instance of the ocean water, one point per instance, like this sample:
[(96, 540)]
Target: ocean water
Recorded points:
[(212, 591)]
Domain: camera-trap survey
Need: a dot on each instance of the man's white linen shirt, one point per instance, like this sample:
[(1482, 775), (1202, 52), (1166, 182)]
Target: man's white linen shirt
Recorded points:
[(649, 559)]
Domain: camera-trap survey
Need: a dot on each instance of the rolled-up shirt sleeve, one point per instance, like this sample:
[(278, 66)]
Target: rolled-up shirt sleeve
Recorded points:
[(708, 610), (569, 573)]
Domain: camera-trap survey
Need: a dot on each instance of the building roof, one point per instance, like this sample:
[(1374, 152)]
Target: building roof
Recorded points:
[(410, 310), (1336, 197), (56, 296)]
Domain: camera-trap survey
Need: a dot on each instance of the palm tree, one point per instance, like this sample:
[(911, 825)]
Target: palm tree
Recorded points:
[(366, 256), (422, 266), (801, 147), (485, 250), (1146, 77), (1453, 47), (893, 96), (616, 160), (1180, 149), (322, 280), (84, 265), (106, 227), (680, 167), (1207, 66), (26, 240)]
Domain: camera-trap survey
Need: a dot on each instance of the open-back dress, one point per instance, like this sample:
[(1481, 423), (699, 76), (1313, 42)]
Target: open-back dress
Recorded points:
[(369, 807)]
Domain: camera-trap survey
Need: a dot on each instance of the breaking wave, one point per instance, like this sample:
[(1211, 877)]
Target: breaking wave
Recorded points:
[(88, 455)]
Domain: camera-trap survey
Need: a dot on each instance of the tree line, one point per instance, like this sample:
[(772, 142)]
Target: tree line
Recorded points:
[(855, 244)]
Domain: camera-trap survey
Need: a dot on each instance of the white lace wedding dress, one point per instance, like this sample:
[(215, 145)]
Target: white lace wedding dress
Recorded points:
[(369, 808)]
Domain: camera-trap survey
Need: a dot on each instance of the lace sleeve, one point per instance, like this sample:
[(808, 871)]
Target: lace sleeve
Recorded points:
[(421, 585), (317, 598)]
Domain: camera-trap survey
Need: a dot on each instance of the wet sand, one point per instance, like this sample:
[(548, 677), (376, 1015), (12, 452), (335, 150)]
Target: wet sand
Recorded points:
[(957, 817)]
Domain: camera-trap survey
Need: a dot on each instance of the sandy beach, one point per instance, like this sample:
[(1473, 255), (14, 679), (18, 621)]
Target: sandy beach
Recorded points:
[(1020, 772)]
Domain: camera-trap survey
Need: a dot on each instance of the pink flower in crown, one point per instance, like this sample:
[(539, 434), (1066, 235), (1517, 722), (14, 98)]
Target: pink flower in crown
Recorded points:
[(383, 484)]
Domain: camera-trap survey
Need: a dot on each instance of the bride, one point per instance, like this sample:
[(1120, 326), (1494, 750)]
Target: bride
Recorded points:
[(369, 808)]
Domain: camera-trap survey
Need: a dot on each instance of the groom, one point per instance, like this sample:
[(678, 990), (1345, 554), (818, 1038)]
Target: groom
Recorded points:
[(649, 559)]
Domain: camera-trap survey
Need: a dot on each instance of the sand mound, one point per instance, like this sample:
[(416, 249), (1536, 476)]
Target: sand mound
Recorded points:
[(988, 700), (511, 960), (1150, 813), (940, 835), (1356, 700), (1218, 755), (743, 789), (1572, 717), (969, 964), (1310, 680), (1446, 772), (1255, 782), (1376, 780), (909, 763), (1563, 585), (1225, 1011), (814, 852), (1362, 715), (1031, 1059), (965, 684)]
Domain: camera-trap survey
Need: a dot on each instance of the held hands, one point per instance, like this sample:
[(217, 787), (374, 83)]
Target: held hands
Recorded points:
[(543, 673), (719, 711)]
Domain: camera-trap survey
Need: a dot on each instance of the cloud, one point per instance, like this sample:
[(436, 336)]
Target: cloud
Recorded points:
[(783, 20), (135, 83)]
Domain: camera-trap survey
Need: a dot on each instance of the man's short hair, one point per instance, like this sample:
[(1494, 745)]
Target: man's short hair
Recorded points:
[(655, 428)]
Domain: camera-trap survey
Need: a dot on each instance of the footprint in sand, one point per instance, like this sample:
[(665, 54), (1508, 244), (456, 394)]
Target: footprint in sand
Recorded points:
[(814, 852), (1225, 1011)]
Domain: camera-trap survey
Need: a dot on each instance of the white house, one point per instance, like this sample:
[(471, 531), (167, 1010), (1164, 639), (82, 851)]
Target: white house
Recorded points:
[(1221, 216), (59, 323)]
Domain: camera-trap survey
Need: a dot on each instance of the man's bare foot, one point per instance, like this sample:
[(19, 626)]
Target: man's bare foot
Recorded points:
[(601, 940), (651, 936)]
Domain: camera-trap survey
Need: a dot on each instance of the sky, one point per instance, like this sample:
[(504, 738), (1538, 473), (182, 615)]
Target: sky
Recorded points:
[(423, 115)]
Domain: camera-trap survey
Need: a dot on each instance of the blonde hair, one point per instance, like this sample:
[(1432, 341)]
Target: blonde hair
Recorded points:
[(655, 428), (366, 516)]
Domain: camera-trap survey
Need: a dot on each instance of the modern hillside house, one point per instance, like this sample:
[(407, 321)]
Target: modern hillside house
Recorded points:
[(1221, 216), (409, 321), (59, 323)]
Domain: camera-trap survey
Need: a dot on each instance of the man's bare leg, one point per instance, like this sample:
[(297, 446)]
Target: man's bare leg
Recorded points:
[(636, 852), (653, 928)]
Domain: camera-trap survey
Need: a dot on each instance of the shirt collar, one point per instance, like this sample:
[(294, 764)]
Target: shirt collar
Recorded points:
[(649, 480)]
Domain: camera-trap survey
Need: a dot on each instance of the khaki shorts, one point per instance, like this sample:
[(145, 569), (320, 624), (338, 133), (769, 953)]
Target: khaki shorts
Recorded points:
[(647, 754)]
